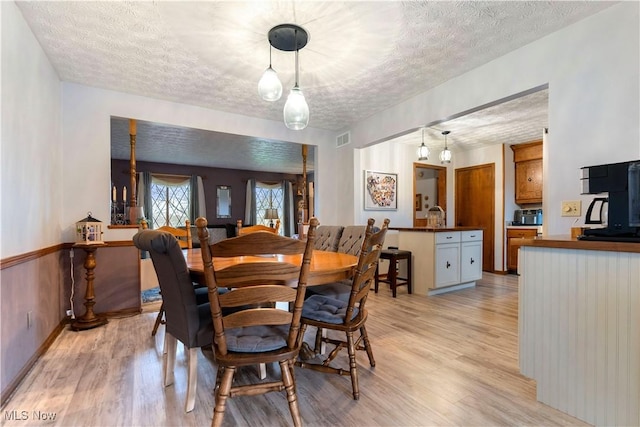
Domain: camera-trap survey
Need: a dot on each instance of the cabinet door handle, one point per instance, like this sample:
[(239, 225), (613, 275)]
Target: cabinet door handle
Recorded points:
[(448, 265), (473, 235), (449, 237), (529, 179), (472, 260)]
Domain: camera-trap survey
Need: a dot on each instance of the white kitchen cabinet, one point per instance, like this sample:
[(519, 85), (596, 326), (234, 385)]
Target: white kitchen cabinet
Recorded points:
[(470, 256), (444, 259)]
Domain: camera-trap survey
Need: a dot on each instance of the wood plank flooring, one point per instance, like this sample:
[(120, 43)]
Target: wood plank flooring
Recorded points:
[(446, 360)]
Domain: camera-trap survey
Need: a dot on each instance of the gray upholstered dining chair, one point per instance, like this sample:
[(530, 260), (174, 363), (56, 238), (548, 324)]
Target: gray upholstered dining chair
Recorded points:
[(186, 319), (326, 313), (350, 241)]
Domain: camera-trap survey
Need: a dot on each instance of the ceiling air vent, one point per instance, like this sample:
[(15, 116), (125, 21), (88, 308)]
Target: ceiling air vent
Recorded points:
[(343, 139)]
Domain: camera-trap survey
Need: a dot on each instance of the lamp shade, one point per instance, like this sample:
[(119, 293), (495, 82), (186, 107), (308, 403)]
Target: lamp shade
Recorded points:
[(296, 110), (269, 86), (423, 152), (445, 155), (271, 214)]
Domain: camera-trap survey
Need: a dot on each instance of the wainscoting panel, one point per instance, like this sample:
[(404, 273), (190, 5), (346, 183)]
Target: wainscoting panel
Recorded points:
[(579, 331)]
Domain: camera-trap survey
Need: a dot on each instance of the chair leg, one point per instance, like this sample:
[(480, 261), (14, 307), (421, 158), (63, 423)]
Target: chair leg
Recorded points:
[(351, 348), (192, 379), (367, 345), (262, 370), (222, 394), (290, 389), (158, 320), (169, 358)]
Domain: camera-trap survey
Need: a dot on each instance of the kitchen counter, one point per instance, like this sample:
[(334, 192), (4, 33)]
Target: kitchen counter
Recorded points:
[(567, 242), (444, 259), (578, 317), (434, 229)]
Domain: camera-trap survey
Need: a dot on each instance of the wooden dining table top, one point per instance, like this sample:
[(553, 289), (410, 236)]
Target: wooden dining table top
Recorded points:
[(326, 266)]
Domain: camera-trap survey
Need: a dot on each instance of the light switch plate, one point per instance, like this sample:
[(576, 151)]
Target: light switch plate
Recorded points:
[(571, 208)]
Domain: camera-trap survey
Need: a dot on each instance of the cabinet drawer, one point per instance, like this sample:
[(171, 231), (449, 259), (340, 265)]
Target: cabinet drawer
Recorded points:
[(521, 233), (448, 237), (471, 236)]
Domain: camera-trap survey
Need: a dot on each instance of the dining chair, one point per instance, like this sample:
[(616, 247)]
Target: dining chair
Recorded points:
[(183, 235), (188, 317), (259, 227), (326, 313), (185, 241), (273, 269)]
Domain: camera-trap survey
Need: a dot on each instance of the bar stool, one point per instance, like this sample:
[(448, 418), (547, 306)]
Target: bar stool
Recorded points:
[(394, 255)]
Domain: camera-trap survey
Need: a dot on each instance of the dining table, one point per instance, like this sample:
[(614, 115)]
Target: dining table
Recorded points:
[(326, 266)]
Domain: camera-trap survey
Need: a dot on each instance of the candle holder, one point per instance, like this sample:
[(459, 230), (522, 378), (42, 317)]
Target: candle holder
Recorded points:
[(119, 213)]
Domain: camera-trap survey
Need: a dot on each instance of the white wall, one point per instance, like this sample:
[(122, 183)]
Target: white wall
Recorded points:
[(32, 187), (592, 70)]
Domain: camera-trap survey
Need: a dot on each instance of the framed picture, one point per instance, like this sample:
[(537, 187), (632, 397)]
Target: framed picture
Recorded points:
[(380, 191), (418, 202)]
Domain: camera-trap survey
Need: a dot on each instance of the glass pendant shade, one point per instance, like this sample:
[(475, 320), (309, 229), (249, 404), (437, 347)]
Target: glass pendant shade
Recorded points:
[(423, 152), (296, 110), (269, 86), (445, 155)]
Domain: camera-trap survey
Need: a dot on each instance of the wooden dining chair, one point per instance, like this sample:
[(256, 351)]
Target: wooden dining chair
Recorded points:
[(185, 241), (258, 331), (326, 313), (253, 228), (183, 235), (187, 312)]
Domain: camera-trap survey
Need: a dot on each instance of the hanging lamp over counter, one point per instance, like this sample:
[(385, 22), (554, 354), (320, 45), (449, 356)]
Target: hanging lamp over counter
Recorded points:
[(445, 155), (423, 150)]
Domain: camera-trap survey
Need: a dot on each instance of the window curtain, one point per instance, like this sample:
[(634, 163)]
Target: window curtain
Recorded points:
[(250, 203), (288, 220), (197, 205), (144, 196)]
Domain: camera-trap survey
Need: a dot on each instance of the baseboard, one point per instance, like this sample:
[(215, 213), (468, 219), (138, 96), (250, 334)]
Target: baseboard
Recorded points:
[(13, 385)]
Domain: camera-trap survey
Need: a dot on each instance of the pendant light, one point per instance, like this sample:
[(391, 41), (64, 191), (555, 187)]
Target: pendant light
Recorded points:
[(423, 150), (296, 110), (445, 155), (269, 86), (289, 37)]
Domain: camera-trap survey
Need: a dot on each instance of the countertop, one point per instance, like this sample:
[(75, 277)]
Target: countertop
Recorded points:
[(435, 230), (568, 242)]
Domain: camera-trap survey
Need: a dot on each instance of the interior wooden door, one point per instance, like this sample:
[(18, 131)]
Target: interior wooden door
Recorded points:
[(475, 205)]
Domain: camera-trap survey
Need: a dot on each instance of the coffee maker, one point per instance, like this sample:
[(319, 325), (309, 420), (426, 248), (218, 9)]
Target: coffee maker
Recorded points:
[(622, 183)]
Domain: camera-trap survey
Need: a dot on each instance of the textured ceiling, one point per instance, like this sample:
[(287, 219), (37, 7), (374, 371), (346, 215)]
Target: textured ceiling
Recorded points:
[(362, 57)]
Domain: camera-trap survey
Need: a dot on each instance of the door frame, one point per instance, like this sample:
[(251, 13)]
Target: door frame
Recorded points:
[(442, 189)]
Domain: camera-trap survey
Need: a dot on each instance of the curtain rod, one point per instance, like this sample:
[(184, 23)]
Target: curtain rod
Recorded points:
[(170, 175)]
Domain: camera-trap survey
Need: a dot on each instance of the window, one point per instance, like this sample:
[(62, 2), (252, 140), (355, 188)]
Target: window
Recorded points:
[(268, 196), (169, 201)]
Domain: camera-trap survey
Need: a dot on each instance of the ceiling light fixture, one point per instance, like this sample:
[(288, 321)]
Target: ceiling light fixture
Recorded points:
[(289, 38), (269, 86), (423, 150), (445, 155)]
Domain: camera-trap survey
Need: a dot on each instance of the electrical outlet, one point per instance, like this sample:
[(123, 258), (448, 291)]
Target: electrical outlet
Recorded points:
[(571, 208)]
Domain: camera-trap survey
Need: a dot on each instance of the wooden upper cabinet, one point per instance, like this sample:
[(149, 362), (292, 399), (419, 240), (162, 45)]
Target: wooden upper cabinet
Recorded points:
[(528, 163)]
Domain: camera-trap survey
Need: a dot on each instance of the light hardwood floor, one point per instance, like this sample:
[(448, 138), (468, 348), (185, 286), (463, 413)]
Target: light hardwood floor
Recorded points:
[(445, 360)]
